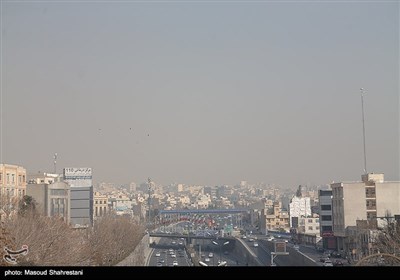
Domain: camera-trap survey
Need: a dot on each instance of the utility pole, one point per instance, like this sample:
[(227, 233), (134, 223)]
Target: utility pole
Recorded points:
[(363, 124)]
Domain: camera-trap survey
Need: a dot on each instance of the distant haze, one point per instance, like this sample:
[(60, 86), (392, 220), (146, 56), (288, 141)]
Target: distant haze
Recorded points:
[(201, 93)]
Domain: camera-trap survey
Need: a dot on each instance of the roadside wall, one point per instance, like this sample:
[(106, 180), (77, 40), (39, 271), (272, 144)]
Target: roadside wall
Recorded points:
[(141, 255), (248, 258)]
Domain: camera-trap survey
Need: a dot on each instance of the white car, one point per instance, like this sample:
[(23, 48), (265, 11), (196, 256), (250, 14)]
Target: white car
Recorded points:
[(255, 244), (158, 254), (210, 255), (328, 263), (296, 247), (175, 263), (206, 259)]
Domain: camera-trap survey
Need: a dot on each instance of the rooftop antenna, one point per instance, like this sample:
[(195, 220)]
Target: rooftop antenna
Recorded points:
[(363, 123), (55, 163)]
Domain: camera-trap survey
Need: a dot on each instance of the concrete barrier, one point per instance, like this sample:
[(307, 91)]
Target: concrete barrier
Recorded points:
[(141, 255), (246, 254)]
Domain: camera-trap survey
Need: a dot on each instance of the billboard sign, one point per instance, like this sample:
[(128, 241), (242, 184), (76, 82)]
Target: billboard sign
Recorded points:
[(78, 177), (78, 172), (280, 248)]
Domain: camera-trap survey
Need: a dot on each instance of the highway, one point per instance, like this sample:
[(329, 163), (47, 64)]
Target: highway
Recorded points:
[(168, 251), (211, 254)]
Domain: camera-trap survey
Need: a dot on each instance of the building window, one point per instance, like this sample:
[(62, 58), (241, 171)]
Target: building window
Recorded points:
[(8, 178), (309, 221), (23, 178), (370, 192), (326, 207), (310, 228), (326, 228), (326, 218), (371, 215), (1, 177)]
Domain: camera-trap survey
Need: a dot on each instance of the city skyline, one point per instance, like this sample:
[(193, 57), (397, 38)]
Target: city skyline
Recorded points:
[(201, 93)]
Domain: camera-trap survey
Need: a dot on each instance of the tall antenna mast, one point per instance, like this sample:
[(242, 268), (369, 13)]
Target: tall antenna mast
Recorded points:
[(363, 123), (55, 163), (149, 201)]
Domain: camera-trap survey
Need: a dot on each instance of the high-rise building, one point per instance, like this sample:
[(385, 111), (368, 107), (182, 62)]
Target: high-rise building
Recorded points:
[(132, 187), (299, 207), (371, 199), (326, 220), (12, 181), (81, 206)]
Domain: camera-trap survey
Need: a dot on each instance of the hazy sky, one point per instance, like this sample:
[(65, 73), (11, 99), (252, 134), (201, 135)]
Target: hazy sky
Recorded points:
[(201, 93)]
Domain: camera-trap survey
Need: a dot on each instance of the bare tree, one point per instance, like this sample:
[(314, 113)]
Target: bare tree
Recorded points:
[(50, 240), (388, 238), (53, 242), (113, 238)]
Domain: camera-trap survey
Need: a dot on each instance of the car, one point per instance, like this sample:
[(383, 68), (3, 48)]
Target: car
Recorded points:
[(206, 259), (255, 244), (338, 263), (175, 263), (296, 247), (324, 259), (328, 263), (336, 255), (173, 256), (159, 264), (210, 255), (158, 254)]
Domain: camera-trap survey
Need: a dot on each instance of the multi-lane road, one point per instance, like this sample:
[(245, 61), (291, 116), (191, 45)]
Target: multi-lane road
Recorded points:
[(168, 252)]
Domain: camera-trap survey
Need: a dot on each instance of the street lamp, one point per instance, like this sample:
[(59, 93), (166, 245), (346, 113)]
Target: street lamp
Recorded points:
[(220, 247)]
